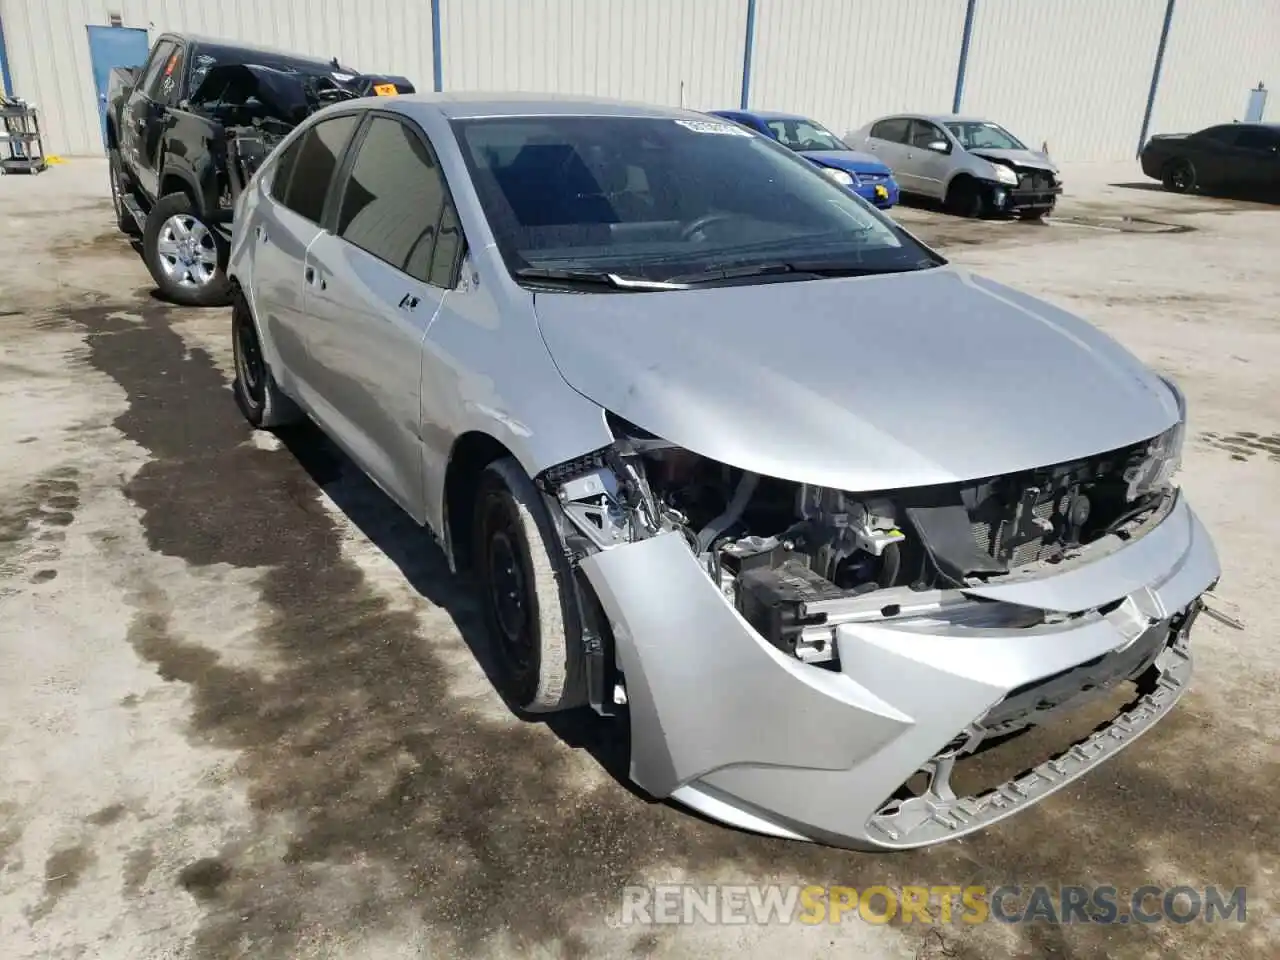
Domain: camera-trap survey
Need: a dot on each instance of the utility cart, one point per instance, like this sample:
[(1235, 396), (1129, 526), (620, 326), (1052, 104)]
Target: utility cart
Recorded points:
[(21, 147)]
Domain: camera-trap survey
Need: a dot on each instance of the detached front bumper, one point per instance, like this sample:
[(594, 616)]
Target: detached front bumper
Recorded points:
[(1018, 199), (728, 725)]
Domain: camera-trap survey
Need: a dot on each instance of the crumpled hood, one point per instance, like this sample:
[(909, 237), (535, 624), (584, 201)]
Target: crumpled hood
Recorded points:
[(868, 383), (850, 161), (1023, 158)]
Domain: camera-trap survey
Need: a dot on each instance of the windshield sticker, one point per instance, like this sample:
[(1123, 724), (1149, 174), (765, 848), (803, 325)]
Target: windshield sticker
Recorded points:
[(713, 126), (385, 89)]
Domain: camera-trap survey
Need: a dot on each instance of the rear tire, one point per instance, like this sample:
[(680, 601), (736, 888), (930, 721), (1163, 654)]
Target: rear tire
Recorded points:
[(258, 395), (967, 198), (187, 259), (526, 593), (119, 190), (1180, 176)]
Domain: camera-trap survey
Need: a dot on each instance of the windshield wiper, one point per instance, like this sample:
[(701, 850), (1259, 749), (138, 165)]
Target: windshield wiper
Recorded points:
[(798, 269), (596, 277)]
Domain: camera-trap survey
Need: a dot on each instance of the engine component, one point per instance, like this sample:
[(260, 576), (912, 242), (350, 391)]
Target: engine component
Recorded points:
[(775, 601)]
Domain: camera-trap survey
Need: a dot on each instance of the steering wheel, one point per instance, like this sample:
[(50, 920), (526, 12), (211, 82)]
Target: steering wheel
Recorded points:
[(703, 222)]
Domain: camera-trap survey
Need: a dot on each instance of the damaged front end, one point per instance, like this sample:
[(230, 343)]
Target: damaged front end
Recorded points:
[(256, 106), (793, 656)]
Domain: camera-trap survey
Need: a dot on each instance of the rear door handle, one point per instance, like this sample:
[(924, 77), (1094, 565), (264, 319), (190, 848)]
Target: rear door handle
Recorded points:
[(312, 276), (263, 235), (408, 302)]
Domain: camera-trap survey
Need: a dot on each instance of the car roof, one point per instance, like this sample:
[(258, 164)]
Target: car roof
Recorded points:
[(468, 106), (770, 114), (935, 117), (249, 50)]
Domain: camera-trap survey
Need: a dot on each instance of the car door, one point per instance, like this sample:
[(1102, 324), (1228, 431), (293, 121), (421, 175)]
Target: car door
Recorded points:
[(373, 286), (139, 112), (280, 231), (1259, 149), (887, 140), (929, 168)]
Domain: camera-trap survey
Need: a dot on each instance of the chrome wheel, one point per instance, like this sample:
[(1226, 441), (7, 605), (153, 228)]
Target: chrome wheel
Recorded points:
[(187, 251)]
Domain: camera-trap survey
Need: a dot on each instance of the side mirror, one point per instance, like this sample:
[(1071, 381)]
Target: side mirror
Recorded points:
[(938, 146)]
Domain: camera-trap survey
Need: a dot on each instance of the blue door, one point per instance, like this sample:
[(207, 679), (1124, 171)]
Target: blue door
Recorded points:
[(111, 47)]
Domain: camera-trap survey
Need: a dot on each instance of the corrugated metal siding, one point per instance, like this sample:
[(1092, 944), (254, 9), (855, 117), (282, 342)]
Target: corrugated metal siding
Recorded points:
[(1075, 73), (1218, 51), (844, 62), (49, 45), (616, 48)]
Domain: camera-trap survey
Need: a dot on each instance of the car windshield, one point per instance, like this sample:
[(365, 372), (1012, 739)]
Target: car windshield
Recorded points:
[(804, 135), (660, 198), (982, 135)]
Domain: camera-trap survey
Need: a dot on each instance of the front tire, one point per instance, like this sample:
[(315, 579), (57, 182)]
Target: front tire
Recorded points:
[(257, 394), (187, 259), (1180, 176), (967, 198), (526, 593)]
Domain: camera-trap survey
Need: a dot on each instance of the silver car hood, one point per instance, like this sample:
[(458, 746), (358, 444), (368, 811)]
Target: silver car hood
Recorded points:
[(864, 383), (1023, 158)]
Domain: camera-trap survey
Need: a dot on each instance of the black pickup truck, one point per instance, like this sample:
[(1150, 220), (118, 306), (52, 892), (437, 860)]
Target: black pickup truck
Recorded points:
[(186, 130)]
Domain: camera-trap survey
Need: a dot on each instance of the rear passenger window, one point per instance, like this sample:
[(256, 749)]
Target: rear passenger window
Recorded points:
[(318, 153), (1256, 138), (284, 168), (395, 205), (894, 130)]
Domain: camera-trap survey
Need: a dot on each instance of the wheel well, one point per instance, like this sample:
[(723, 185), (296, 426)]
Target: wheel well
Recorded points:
[(472, 452), (961, 180), (172, 183)]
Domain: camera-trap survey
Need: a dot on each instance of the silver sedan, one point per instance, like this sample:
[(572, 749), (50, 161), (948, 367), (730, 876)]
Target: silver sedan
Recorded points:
[(974, 166), (728, 451)]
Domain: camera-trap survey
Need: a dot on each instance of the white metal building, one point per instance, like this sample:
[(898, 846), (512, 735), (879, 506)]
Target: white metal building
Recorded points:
[(1080, 75)]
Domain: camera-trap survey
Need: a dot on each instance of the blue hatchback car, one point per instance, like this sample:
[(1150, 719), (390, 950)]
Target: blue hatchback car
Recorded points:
[(862, 173)]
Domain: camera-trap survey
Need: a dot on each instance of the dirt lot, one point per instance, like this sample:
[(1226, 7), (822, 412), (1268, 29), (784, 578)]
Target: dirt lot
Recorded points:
[(239, 715)]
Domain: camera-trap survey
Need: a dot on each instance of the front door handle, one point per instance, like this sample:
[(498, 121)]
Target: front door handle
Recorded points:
[(263, 235), (408, 302), (312, 276)]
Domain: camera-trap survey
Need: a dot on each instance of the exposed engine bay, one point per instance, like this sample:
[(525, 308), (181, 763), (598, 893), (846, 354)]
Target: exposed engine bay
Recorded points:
[(791, 556), (257, 106)]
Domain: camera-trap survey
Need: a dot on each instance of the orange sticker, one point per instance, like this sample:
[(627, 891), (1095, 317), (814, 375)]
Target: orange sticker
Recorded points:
[(385, 89), (168, 67)]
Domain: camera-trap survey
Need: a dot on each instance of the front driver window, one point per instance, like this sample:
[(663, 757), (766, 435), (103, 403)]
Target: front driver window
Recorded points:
[(394, 203)]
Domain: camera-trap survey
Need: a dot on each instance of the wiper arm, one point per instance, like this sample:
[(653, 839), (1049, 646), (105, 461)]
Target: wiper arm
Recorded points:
[(596, 277), (798, 269), (733, 273)]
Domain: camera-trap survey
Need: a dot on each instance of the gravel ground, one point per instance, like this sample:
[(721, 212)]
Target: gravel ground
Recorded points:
[(240, 715)]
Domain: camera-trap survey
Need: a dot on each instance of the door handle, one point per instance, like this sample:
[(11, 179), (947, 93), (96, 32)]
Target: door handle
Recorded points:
[(262, 235), (312, 276), (408, 301)]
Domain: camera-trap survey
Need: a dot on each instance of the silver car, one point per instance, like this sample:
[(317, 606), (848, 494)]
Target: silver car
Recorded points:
[(727, 451), (974, 166)]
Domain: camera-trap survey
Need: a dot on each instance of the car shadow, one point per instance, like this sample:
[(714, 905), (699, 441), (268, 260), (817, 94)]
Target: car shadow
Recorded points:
[(425, 568), (1239, 196)]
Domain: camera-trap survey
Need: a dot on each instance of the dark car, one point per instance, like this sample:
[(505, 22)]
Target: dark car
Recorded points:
[(862, 173), (186, 129), (1229, 157)]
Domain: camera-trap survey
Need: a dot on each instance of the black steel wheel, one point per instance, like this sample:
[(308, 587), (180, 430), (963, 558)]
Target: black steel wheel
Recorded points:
[(1180, 176), (260, 399), (525, 590)]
